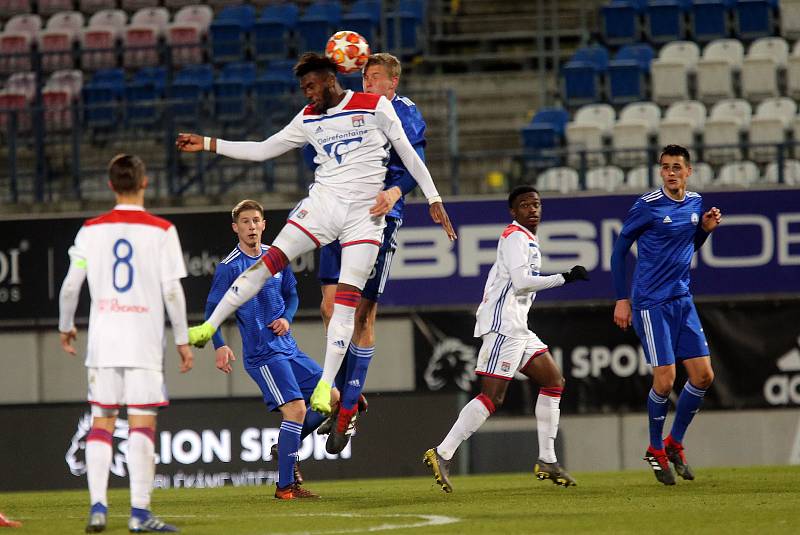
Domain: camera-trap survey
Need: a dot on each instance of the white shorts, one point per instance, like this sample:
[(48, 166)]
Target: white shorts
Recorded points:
[(501, 356), (138, 388), (323, 217)]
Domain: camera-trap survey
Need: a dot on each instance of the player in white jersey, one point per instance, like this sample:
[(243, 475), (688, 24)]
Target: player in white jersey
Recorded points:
[(351, 133), (509, 345), (133, 262)]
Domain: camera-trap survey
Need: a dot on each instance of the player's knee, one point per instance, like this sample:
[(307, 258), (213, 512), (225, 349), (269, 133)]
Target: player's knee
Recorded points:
[(294, 411), (704, 380)]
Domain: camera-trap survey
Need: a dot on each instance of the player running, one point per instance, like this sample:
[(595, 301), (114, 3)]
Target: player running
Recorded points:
[(668, 225), (381, 76), (351, 133), (509, 345), (285, 375), (134, 264)]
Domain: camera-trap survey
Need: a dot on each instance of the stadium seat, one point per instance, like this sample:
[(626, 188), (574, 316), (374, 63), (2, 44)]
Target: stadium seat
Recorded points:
[(99, 47), (229, 32), (790, 19), (561, 179), (666, 20), (642, 178), (760, 68), (407, 20), (188, 90), (231, 89), (583, 75), (586, 132), (637, 123), (620, 22), (608, 178), (115, 18), (702, 176), (141, 37), (272, 31), (715, 70), (711, 20), (544, 133), (743, 173), (57, 40), (670, 71), (793, 72), (276, 82), (23, 83), (186, 34), (15, 52), (791, 173), (51, 7), (143, 95), (57, 100), (364, 18), (317, 23), (627, 74), (682, 122), (100, 98), (754, 18), (729, 119), (773, 120), (24, 23), (14, 100), (71, 78)]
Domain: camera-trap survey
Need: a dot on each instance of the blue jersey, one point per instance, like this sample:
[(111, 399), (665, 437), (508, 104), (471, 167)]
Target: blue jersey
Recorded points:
[(259, 343), (666, 233), (396, 173)]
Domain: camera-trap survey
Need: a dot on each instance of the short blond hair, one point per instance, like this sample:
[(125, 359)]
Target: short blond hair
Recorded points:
[(247, 204), (387, 60)]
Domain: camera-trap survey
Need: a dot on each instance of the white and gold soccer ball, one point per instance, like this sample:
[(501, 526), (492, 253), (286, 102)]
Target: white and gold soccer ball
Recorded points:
[(348, 50)]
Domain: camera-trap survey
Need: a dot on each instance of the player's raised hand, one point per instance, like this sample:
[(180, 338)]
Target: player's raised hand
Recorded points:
[(385, 201), (280, 326), (187, 359), (224, 358), (623, 313), (439, 215), (712, 219), (67, 339), (189, 142)]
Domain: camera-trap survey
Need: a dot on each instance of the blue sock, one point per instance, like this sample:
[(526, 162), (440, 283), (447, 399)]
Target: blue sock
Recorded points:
[(345, 370), (358, 376), (98, 508), (288, 444), (688, 404), (141, 514), (657, 408), (312, 421)]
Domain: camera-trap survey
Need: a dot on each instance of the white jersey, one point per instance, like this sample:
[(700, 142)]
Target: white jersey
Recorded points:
[(504, 310), (127, 254), (352, 141)]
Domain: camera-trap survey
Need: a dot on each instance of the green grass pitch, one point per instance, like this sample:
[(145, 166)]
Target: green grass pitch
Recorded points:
[(730, 501)]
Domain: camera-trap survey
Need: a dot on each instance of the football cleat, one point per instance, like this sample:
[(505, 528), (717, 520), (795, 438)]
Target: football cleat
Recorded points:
[(7, 523), (201, 334), (298, 476), (97, 518), (660, 465), (292, 492), (339, 436), (327, 425), (149, 524), (440, 467), (321, 398), (554, 472), (674, 451)]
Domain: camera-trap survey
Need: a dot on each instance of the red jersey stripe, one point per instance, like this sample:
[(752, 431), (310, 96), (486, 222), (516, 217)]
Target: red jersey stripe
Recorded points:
[(132, 217)]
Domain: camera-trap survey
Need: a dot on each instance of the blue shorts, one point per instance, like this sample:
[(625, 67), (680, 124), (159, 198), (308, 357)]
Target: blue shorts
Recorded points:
[(670, 332), (330, 260), (283, 379)]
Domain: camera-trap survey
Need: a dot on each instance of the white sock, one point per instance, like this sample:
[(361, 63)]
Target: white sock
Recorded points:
[(470, 419), (98, 463), (340, 331), (547, 415), (243, 289), (141, 466)]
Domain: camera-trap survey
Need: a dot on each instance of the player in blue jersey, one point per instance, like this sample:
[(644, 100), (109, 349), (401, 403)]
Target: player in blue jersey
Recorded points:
[(381, 76), (285, 375), (668, 226)]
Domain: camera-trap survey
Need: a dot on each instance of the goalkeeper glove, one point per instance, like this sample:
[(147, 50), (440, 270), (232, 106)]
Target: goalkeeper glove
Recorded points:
[(576, 273)]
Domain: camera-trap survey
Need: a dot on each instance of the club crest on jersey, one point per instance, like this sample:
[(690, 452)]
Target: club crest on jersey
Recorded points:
[(339, 149), (695, 218), (358, 120), (505, 366)]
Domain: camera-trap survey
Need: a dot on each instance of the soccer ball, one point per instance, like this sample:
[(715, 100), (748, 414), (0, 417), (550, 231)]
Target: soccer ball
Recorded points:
[(348, 50)]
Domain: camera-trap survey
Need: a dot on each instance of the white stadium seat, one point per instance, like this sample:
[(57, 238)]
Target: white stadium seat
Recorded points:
[(760, 68), (793, 72), (728, 119), (738, 174), (608, 178), (670, 71), (772, 121), (715, 69), (639, 178), (561, 179), (637, 122), (702, 175), (682, 122), (791, 173), (586, 133)]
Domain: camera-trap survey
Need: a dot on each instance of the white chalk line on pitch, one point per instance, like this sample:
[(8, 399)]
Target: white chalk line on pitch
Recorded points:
[(428, 520)]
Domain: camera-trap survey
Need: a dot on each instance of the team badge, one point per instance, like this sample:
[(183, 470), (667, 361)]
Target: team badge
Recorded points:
[(301, 214), (358, 120), (505, 366), (695, 218)]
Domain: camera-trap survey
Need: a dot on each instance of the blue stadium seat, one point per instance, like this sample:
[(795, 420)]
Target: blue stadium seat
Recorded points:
[(583, 75), (100, 98), (231, 89), (275, 83), (189, 89), (364, 18), (317, 24), (620, 22), (711, 19), (627, 73), (409, 18), (544, 133), (755, 18), (666, 20), (272, 32), (229, 32), (143, 96)]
